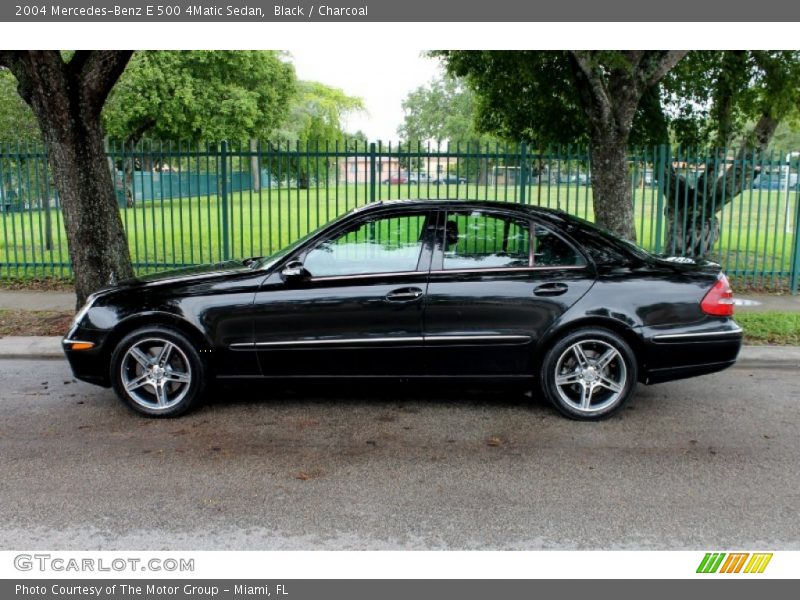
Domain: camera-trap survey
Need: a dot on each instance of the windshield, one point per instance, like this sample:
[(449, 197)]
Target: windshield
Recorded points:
[(266, 262)]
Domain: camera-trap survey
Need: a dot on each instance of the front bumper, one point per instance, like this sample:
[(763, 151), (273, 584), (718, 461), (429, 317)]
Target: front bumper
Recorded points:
[(90, 365)]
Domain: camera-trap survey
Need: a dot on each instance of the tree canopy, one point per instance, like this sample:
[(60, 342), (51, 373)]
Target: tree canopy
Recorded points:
[(201, 95), (707, 99), (317, 114), (714, 99), (316, 119), (17, 122), (442, 111)]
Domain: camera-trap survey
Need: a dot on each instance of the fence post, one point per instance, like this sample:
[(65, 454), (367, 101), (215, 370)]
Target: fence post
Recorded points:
[(523, 172), (659, 233), (372, 171), (795, 276), (223, 178), (255, 166)]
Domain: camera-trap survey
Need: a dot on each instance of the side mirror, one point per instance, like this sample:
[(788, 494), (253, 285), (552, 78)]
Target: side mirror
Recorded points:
[(294, 271)]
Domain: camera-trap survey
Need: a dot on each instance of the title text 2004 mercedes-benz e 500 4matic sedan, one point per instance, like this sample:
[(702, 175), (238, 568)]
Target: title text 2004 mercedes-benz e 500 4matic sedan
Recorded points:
[(409, 289)]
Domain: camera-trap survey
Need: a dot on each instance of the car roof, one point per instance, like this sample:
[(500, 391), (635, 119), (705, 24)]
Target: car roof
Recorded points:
[(440, 203)]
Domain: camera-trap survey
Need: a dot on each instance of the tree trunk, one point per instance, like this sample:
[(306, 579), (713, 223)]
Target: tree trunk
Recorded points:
[(97, 244), (688, 231), (611, 185), (483, 170), (609, 95), (67, 99), (690, 211)]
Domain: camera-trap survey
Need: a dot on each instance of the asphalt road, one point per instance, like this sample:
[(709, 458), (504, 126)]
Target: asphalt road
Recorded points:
[(707, 463)]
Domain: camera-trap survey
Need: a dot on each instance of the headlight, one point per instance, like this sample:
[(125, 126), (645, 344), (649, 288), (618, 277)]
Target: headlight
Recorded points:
[(84, 309)]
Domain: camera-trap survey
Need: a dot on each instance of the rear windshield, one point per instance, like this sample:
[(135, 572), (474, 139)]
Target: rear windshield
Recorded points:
[(631, 247)]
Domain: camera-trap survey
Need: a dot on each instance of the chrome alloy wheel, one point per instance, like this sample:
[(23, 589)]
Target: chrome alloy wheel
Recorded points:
[(590, 376), (156, 374)]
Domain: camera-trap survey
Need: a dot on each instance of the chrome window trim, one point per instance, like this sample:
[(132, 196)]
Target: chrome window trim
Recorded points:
[(507, 269), (442, 271), (367, 275)]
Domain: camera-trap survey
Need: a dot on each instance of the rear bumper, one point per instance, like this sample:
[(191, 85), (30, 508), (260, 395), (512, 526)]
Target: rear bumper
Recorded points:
[(688, 351)]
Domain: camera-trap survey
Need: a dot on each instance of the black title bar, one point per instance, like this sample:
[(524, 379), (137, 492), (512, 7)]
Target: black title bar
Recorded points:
[(397, 11)]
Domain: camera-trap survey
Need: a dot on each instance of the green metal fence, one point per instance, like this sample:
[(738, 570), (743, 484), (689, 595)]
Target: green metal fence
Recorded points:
[(187, 204)]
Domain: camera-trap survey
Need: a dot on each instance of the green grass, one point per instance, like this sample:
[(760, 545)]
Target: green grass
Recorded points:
[(754, 237), (770, 328)]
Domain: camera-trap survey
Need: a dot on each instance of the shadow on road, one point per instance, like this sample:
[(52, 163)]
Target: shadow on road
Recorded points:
[(373, 394)]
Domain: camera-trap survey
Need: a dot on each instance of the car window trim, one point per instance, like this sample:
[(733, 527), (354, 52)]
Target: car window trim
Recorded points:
[(508, 269), (369, 275)]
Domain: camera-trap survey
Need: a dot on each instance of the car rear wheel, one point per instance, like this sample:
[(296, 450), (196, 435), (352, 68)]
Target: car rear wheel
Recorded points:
[(157, 372), (589, 374)]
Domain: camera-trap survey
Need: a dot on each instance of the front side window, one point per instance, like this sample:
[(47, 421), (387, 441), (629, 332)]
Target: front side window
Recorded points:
[(480, 240), (384, 245)]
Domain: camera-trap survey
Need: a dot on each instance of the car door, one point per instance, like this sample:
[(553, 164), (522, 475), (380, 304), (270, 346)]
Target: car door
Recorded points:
[(357, 311), (498, 281)]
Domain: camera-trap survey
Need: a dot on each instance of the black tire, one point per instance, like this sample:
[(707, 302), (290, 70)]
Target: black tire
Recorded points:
[(583, 388), (158, 390)]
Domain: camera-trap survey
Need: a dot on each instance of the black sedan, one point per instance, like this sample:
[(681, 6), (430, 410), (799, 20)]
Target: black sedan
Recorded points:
[(412, 289)]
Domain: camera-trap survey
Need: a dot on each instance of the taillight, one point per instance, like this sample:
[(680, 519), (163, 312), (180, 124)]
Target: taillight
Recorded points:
[(719, 299)]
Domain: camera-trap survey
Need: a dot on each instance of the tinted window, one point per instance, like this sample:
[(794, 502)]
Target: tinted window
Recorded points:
[(549, 250), (383, 245), (480, 240)]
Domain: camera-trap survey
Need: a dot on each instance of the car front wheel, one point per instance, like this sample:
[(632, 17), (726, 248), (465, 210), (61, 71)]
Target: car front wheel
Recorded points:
[(589, 374), (157, 372)]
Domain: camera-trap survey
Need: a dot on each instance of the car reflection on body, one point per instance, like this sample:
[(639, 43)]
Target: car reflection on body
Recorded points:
[(416, 289)]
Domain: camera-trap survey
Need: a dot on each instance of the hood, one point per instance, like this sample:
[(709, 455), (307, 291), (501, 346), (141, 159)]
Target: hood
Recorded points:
[(192, 273)]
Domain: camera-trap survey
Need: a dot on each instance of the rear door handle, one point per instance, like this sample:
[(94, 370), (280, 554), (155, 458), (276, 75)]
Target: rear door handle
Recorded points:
[(404, 294), (551, 289)]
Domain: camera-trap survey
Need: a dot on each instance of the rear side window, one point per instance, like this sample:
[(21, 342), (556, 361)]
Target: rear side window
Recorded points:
[(479, 240)]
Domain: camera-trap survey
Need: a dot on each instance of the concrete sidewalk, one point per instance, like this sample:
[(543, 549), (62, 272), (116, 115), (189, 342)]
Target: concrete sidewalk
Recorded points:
[(36, 300), (49, 348), (65, 301)]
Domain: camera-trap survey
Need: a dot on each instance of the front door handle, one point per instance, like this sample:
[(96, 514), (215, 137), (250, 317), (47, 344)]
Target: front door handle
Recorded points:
[(551, 289), (404, 294)]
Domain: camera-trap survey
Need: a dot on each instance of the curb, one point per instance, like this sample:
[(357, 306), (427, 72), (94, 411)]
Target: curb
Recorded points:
[(31, 348), (49, 348), (769, 357)]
